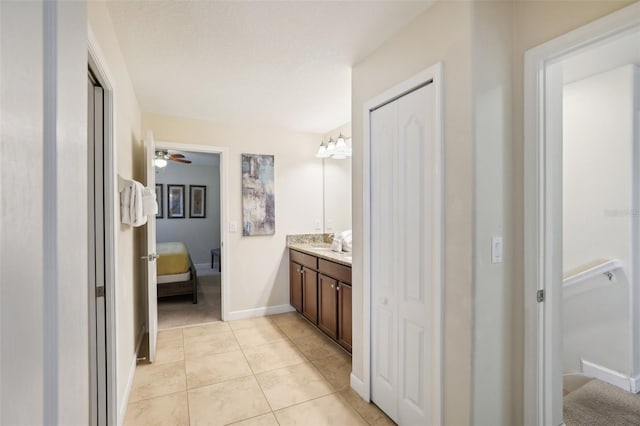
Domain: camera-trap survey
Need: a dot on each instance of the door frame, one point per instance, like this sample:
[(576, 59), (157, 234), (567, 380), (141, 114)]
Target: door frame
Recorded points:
[(543, 208), (435, 75), (225, 277), (98, 63)]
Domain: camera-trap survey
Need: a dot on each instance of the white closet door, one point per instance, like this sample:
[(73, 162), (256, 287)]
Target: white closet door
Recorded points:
[(384, 215), (402, 229)]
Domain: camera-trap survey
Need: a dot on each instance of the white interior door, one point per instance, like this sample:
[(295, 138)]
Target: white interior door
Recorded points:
[(152, 279), (404, 179)]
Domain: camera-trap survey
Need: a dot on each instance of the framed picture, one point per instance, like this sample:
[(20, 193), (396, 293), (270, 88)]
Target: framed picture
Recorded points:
[(175, 205), (197, 201), (160, 201), (258, 195)]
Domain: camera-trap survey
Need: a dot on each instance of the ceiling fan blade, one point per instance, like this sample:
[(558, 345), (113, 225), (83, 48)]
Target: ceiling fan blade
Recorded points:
[(176, 156), (178, 160)]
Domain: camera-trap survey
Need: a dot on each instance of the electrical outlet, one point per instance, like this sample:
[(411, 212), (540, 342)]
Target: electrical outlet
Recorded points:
[(318, 225), (496, 250)]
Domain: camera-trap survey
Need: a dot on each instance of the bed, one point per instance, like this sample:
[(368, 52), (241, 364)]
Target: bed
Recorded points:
[(176, 272)]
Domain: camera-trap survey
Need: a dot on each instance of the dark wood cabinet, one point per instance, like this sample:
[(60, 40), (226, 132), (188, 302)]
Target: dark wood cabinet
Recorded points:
[(295, 287), (310, 294), (321, 291), (328, 305)]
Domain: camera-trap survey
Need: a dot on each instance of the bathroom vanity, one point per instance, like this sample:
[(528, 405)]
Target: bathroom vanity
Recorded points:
[(320, 288)]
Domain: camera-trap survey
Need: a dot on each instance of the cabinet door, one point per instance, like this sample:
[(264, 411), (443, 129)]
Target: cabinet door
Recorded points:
[(310, 294), (295, 286), (328, 305), (344, 315)]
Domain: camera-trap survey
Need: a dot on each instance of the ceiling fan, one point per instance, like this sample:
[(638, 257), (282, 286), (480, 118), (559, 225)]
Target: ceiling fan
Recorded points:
[(162, 156)]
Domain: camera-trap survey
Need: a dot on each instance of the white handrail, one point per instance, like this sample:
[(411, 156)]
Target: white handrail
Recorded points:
[(605, 267)]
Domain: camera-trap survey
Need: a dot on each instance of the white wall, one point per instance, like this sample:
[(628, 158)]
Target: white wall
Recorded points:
[(598, 149), (258, 266), (440, 34), (129, 156), (337, 187), (44, 345), (200, 235)]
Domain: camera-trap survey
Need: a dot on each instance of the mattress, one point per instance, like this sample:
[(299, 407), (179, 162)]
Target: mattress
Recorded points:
[(174, 278), (174, 258)]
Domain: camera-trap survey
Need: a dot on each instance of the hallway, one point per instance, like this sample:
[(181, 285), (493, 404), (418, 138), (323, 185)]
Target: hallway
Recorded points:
[(259, 371)]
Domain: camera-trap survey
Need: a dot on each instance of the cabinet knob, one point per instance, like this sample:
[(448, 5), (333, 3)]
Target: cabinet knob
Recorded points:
[(338, 287), (331, 285)]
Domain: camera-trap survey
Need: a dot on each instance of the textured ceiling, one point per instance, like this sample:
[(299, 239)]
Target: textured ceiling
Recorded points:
[(274, 63)]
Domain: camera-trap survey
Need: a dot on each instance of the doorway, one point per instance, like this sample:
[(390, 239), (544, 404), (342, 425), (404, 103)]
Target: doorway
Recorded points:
[(403, 253), (101, 242), (188, 194), (581, 249)]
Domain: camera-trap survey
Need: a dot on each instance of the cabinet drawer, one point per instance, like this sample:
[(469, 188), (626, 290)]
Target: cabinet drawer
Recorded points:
[(304, 259), (335, 270)]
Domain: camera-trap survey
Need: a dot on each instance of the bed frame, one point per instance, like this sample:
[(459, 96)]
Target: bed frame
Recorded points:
[(182, 287)]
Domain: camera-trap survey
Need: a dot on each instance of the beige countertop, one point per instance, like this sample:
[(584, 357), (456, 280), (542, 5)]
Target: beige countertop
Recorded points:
[(323, 251)]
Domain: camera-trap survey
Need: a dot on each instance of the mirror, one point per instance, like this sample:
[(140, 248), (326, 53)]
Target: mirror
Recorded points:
[(337, 195)]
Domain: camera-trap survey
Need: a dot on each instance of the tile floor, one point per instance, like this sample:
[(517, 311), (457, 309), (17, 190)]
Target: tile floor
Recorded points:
[(276, 370)]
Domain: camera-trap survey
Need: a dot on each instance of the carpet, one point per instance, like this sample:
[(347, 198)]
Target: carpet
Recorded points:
[(178, 311), (600, 404)]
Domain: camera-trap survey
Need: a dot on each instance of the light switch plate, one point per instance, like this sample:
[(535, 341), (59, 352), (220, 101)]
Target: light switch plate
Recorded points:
[(496, 250), (233, 227), (318, 225)]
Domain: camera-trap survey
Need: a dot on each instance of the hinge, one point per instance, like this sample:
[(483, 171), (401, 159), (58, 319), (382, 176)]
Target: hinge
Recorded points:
[(100, 291), (540, 296)]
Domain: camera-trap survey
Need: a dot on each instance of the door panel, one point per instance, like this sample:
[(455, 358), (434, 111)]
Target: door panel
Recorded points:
[(328, 305), (403, 186), (152, 279), (344, 316), (384, 342), (310, 294), (295, 276)]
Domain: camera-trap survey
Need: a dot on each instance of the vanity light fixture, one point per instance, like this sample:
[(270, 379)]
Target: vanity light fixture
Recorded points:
[(338, 149)]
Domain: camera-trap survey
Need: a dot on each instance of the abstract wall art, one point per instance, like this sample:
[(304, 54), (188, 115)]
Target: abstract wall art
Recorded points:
[(258, 198)]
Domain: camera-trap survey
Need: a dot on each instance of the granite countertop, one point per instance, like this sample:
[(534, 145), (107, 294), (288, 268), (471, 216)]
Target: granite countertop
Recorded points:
[(323, 251)]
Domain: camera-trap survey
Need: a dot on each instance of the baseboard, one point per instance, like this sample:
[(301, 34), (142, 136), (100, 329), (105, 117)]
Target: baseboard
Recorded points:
[(358, 386), (259, 312), (203, 265), (132, 372), (614, 378), (635, 384)]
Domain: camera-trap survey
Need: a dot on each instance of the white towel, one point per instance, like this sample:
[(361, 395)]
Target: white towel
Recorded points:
[(149, 203), (131, 204)]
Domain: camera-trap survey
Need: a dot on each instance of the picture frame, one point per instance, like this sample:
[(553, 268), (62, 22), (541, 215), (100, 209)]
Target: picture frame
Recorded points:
[(197, 201), (175, 201), (160, 200), (258, 195)]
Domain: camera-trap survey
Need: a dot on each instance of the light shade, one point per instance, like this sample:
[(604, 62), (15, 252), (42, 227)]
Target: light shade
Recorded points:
[(331, 146), (160, 162)]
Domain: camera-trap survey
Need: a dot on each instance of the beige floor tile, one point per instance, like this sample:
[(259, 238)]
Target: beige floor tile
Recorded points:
[(336, 369), (255, 336), (172, 334), (251, 322), (316, 346), (272, 356), (297, 329), (169, 350), (291, 385), (153, 380), (205, 329), (169, 410), (208, 344), (227, 402), (329, 410), (215, 368), (284, 318), (371, 414), (263, 420)]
